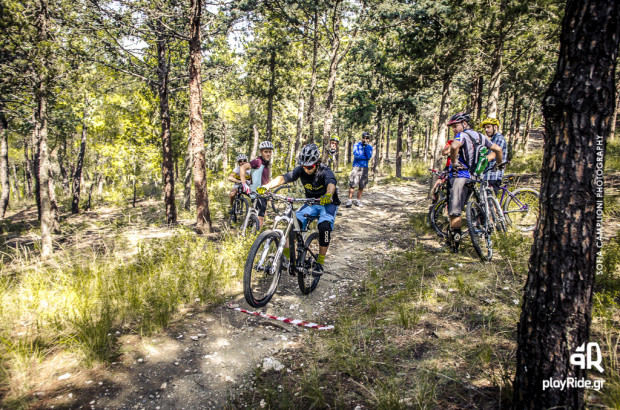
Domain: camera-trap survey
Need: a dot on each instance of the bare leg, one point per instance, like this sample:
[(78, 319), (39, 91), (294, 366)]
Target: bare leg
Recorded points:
[(359, 193), (351, 190), (233, 193), (323, 250), (455, 222), (261, 220)]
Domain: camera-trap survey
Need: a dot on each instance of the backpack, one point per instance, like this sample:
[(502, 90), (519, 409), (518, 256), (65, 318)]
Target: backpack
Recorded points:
[(478, 162)]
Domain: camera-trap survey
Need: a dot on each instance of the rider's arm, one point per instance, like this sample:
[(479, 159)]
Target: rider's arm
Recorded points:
[(331, 188), (454, 150), (496, 153), (274, 183), (242, 170), (232, 178)]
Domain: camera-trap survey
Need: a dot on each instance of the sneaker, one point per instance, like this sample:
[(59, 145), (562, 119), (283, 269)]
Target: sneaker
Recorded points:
[(357, 202), (348, 204), (317, 270)]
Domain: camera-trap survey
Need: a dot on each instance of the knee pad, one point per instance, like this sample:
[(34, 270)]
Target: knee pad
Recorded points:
[(325, 233)]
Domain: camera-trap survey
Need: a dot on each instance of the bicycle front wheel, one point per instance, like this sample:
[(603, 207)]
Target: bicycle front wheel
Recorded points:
[(476, 222), (294, 190), (262, 271), (521, 209), (252, 227), (307, 282)]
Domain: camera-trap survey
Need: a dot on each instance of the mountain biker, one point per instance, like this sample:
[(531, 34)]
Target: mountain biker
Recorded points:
[(462, 149), (491, 129), (234, 176), (319, 182), (362, 152), (334, 141), (261, 175)]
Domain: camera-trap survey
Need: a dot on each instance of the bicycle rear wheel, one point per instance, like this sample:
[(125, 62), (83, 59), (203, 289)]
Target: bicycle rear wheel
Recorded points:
[(476, 221), (521, 209), (307, 282), (262, 272), (240, 208), (440, 221)]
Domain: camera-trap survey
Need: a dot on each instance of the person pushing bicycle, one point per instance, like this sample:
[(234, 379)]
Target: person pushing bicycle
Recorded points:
[(463, 164), (319, 182)]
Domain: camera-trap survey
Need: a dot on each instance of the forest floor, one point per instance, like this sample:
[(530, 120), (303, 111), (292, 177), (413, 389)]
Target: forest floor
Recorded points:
[(205, 358)]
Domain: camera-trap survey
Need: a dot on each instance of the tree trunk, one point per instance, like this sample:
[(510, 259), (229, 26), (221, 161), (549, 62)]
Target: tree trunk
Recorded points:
[(36, 159), (334, 59), (399, 146), (225, 148), (271, 94), (28, 165), (386, 156), (409, 143), (517, 135), (378, 132), (4, 165), (167, 164), (255, 144), (427, 140), (496, 75), (187, 181), (311, 103), (476, 97), (349, 149), (440, 140), (53, 174), (511, 133), (16, 190), (63, 169), (528, 127), (614, 118), (77, 177), (300, 128), (203, 216), (504, 127), (557, 301)]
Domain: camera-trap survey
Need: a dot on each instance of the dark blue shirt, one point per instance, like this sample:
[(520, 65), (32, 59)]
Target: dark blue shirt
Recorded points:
[(315, 184)]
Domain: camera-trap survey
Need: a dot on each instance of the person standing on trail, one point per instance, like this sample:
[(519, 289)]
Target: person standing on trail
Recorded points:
[(319, 182), (334, 141), (261, 175), (362, 152), (462, 152), (491, 129)]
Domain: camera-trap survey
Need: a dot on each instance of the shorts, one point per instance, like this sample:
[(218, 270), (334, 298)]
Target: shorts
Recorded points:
[(321, 212), (458, 195), (358, 178), (261, 205)]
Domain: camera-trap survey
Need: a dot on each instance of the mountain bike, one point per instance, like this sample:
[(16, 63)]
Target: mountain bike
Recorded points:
[(438, 210), (237, 214), (251, 223), (265, 261), (292, 190), (484, 216)]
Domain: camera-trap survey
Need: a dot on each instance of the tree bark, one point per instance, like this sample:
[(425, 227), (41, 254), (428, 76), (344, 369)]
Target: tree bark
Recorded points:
[(300, 128), (255, 144), (77, 177), (4, 165), (271, 94), (28, 165), (557, 301), (334, 59), (386, 156), (51, 183), (378, 132), (496, 75), (399, 146), (203, 216), (16, 190), (163, 89), (440, 140), (187, 181), (311, 102), (409, 143), (528, 127), (504, 127), (614, 118), (427, 140)]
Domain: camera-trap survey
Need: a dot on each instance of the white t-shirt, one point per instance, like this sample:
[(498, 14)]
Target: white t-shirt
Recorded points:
[(248, 173)]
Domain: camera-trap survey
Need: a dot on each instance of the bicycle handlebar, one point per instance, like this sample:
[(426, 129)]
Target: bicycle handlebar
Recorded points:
[(288, 199)]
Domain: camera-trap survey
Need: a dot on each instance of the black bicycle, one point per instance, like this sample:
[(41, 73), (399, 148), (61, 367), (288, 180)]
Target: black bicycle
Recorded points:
[(265, 261), (239, 209)]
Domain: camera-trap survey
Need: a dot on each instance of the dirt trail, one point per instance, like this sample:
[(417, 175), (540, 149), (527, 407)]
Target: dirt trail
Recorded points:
[(203, 359)]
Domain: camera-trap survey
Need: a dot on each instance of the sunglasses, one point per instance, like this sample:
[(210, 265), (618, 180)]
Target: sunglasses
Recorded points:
[(310, 166), (242, 162)]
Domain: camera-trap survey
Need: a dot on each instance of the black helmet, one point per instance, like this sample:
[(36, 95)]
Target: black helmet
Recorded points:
[(309, 155), (459, 117), (365, 134)]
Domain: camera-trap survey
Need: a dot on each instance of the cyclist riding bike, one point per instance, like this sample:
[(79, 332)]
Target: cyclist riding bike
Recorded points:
[(334, 141), (235, 177), (491, 129), (319, 182), (462, 158), (260, 169)]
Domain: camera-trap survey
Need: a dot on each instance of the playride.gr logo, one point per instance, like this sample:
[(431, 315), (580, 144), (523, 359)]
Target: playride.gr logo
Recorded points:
[(583, 358)]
